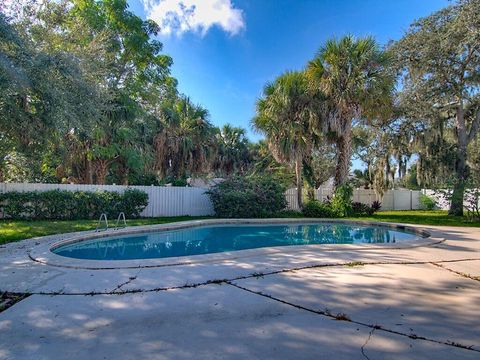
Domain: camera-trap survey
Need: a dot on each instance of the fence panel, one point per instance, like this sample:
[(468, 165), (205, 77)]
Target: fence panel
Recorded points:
[(402, 199), (323, 194), (292, 201)]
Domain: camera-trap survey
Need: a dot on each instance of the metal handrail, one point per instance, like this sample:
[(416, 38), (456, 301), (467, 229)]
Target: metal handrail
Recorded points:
[(121, 216), (102, 216)]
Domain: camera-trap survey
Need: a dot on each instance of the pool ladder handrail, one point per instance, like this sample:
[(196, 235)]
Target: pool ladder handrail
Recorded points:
[(102, 216), (121, 216)]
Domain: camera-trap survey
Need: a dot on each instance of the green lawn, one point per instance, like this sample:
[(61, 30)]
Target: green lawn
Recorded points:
[(421, 217), (18, 230)]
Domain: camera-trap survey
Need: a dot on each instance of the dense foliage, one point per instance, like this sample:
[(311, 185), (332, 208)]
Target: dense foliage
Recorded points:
[(340, 206), (248, 197), (86, 96), (438, 61), (432, 118), (342, 201), (317, 209), (70, 205)]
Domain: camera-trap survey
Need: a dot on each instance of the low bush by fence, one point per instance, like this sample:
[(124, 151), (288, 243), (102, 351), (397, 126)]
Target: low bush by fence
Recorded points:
[(162, 200), (391, 200)]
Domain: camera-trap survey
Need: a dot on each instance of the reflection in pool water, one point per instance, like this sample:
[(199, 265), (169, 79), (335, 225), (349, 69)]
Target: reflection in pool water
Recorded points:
[(221, 238)]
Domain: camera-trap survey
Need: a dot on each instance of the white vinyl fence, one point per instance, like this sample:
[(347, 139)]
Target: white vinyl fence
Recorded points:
[(392, 199), (162, 200), (177, 201)]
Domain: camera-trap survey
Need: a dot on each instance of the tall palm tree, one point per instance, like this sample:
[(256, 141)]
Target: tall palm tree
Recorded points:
[(185, 142), (284, 116), (233, 155), (354, 75)]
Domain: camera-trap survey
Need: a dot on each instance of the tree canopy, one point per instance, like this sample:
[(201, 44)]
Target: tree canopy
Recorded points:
[(438, 60), (87, 96)]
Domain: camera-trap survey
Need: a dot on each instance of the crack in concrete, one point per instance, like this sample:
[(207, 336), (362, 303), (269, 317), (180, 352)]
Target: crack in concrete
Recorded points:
[(244, 277), (130, 279), (327, 313), (467, 276), (347, 319), (365, 344)]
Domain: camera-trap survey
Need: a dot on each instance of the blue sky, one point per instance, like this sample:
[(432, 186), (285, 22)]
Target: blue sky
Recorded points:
[(224, 55)]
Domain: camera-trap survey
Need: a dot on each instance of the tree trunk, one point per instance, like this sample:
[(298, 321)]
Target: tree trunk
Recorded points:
[(101, 169), (125, 176), (88, 171), (344, 153), (298, 173), (456, 206), (311, 193)]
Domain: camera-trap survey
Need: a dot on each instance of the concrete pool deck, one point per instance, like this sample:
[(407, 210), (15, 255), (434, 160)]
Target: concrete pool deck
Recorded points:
[(303, 302)]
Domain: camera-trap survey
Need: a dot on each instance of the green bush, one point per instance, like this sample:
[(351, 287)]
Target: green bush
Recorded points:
[(71, 205), (133, 202), (340, 205), (342, 201), (376, 206), (314, 208), (426, 202), (245, 197), (361, 209)]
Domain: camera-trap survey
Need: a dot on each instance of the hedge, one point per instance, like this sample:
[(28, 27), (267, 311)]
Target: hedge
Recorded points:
[(316, 209), (71, 205), (248, 197)]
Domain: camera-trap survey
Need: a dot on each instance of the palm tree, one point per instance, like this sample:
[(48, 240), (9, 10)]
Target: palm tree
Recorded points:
[(233, 155), (353, 74), (284, 117), (185, 143)]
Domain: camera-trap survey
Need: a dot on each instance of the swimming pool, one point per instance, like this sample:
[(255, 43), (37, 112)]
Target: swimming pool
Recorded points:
[(226, 238)]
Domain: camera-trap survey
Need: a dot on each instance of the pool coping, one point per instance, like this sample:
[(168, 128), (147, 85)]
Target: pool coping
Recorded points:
[(42, 251)]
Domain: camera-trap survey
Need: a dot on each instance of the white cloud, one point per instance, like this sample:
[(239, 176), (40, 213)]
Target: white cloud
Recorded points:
[(179, 16)]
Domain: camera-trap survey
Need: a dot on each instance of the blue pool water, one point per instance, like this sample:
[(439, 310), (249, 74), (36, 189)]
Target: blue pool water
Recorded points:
[(221, 238)]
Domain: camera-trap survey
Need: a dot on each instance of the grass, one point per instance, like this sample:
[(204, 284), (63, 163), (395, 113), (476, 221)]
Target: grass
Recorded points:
[(17, 230), (421, 217)]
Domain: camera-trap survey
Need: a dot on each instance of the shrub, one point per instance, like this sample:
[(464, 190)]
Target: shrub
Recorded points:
[(426, 202), (238, 197), (71, 205), (314, 208), (376, 206), (133, 202), (361, 209), (342, 201), (289, 214)]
